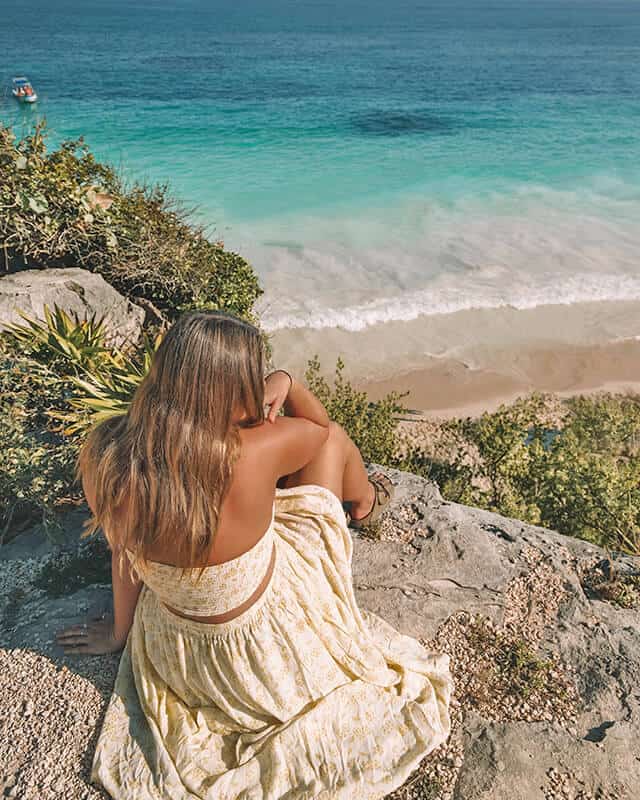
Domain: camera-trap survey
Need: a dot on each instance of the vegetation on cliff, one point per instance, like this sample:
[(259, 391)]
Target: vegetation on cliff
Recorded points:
[(59, 208), (64, 208), (572, 465), (37, 471)]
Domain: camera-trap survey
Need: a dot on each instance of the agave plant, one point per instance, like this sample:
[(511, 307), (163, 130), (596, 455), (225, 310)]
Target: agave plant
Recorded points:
[(108, 391), (103, 378), (64, 342)]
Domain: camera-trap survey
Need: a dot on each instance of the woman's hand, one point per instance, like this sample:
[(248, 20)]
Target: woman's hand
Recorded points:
[(276, 390), (92, 638)]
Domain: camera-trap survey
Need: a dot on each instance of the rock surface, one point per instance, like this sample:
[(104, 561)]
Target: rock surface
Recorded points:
[(547, 673), (77, 291)]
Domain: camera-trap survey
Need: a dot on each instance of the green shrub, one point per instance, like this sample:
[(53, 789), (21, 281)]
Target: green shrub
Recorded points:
[(576, 472), (57, 377), (589, 476), (371, 425), (64, 208), (38, 463)]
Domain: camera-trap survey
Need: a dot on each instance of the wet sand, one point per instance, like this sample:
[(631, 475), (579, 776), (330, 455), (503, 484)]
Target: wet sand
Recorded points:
[(447, 388)]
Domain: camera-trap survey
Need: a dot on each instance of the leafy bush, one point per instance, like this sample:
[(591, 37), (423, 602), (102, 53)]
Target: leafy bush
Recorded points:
[(371, 425), (575, 470), (57, 377), (64, 208), (37, 471)]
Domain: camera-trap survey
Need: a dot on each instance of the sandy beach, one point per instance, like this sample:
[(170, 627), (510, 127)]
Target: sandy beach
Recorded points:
[(447, 388), (471, 361)]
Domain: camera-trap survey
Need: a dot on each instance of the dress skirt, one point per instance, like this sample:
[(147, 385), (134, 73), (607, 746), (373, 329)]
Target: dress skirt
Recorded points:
[(302, 696)]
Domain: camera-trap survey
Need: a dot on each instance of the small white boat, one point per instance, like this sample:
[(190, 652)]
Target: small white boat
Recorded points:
[(23, 91)]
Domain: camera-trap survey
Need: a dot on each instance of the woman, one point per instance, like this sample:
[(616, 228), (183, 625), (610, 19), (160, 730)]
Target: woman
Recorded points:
[(248, 670)]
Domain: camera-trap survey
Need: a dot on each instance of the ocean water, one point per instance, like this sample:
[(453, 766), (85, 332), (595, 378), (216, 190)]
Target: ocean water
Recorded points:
[(376, 161)]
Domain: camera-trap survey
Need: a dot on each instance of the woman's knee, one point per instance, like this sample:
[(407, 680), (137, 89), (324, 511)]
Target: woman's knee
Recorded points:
[(338, 438), (326, 468), (335, 448)]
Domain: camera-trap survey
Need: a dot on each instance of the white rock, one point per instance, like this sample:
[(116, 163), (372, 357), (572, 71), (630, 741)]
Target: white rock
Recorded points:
[(77, 291)]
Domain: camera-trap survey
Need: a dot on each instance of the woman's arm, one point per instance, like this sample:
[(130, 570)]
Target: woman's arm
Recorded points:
[(301, 402), (284, 391), (125, 588), (105, 635), (125, 598), (290, 442)]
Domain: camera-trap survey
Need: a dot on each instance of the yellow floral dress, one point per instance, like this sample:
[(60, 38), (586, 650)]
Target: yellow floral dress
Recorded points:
[(301, 696)]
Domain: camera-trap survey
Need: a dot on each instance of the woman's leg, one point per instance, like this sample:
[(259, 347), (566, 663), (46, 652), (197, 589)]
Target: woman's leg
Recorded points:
[(338, 466)]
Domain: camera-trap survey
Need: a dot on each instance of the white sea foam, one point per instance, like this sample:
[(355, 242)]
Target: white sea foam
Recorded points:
[(411, 305), (412, 256)]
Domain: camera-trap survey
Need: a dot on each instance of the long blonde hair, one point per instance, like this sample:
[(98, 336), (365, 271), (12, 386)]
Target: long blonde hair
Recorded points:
[(162, 470)]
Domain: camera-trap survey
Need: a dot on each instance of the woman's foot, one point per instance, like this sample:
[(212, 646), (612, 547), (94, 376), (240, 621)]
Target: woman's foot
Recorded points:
[(366, 512), (359, 509)]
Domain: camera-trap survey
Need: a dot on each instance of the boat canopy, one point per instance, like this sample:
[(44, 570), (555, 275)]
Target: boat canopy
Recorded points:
[(21, 82)]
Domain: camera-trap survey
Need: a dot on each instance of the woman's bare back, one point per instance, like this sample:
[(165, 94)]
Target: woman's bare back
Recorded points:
[(247, 509), (267, 452)]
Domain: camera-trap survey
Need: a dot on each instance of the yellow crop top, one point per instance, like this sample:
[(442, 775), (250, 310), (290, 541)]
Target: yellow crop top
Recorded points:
[(219, 589)]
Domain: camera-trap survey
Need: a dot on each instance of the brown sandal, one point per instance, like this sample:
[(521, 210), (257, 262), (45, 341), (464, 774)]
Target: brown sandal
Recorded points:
[(383, 494)]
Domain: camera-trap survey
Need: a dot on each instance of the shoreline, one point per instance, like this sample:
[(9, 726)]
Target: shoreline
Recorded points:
[(467, 362), (446, 388)]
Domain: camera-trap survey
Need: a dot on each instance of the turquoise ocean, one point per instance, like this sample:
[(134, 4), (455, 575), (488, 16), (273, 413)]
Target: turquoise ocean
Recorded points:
[(377, 162)]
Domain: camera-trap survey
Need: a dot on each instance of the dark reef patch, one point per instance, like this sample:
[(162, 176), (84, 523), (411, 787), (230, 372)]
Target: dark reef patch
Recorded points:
[(402, 123)]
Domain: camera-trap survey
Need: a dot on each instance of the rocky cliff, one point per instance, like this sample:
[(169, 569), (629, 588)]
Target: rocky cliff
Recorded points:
[(543, 633)]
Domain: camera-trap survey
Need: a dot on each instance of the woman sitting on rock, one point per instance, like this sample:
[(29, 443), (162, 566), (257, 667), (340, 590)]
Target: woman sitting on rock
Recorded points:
[(248, 669)]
